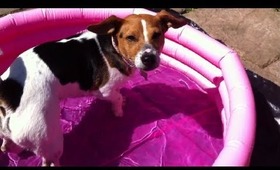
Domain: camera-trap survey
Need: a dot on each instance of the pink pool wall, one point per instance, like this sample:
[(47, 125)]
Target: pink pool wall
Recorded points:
[(208, 62)]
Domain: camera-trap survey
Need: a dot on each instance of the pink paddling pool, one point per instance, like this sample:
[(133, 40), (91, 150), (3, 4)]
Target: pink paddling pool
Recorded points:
[(196, 109)]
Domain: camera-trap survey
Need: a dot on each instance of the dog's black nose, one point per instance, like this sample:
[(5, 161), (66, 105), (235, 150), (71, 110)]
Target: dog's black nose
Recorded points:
[(148, 60)]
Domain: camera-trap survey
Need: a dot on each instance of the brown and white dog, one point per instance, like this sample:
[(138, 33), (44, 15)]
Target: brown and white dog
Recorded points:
[(96, 62)]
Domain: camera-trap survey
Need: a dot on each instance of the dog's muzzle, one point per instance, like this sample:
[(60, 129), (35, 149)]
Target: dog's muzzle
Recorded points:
[(149, 58)]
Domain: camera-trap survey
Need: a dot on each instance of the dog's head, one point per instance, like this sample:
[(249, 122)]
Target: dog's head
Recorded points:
[(139, 38)]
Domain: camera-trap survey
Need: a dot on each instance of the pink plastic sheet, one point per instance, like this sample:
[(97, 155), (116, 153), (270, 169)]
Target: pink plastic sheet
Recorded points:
[(197, 108), (167, 122)]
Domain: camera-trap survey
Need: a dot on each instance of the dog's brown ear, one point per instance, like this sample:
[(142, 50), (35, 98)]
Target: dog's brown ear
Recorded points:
[(107, 26), (168, 20)]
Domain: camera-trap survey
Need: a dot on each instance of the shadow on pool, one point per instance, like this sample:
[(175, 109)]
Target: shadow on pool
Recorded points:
[(101, 138)]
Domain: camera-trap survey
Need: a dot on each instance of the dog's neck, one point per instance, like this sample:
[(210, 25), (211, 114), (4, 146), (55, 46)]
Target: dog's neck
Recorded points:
[(114, 45)]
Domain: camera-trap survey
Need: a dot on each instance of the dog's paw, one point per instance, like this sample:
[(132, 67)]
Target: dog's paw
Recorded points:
[(4, 146), (118, 106), (46, 163), (123, 101), (9, 146), (117, 110), (118, 113)]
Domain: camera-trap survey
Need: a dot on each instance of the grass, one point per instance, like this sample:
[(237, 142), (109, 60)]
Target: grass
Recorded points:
[(189, 9), (186, 10), (14, 11)]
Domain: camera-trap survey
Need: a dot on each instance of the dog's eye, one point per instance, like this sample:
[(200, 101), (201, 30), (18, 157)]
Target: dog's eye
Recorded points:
[(131, 38), (156, 35)]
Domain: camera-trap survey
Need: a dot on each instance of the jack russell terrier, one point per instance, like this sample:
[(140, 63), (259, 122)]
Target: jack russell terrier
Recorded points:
[(96, 62)]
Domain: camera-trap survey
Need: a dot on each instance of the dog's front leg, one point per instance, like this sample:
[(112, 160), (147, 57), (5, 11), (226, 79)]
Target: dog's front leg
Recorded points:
[(117, 103), (115, 97)]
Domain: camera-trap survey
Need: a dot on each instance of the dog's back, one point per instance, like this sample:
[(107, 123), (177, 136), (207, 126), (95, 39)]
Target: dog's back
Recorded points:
[(31, 120)]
